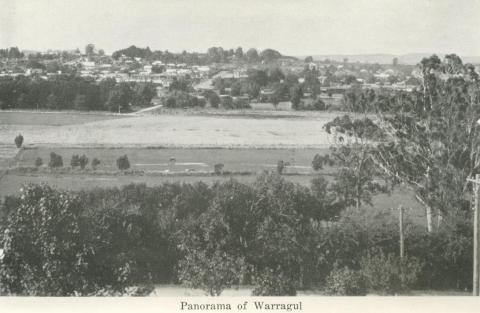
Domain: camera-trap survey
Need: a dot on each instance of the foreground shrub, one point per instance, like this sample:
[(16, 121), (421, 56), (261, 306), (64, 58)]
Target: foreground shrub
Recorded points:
[(345, 282), (446, 253), (271, 282), (19, 141), (123, 163), (55, 160), (212, 273), (50, 249), (388, 274)]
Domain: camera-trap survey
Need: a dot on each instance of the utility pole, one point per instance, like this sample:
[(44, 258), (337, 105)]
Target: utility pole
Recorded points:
[(400, 220), (476, 239)]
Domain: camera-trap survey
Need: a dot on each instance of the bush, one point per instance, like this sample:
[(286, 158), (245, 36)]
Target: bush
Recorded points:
[(218, 168), (345, 282), (123, 163), (448, 253), (95, 163), (55, 160), (319, 105), (75, 161), (211, 273), (83, 161), (19, 141), (281, 165), (52, 247), (318, 161), (273, 283), (38, 162), (387, 273)]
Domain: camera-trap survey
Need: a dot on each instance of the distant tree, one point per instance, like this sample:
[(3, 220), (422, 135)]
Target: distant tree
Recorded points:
[(280, 167), (227, 102), (218, 168), (239, 53), (395, 61), (319, 105), (19, 140), (270, 55), (308, 59), (120, 97), (318, 162), (90, 49), (83, 161), (55, 160), (296, 94), (123, 163), (259, 77), (252, 55), (101, 52), (38, 162), (214, 100), (75, 161), (95, 163), (275, 75), (80, 102), (350, 79), (275, 100)]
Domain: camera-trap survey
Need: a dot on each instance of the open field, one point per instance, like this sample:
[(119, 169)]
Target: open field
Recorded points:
[(257, 142), (178, 131), (54, 118)]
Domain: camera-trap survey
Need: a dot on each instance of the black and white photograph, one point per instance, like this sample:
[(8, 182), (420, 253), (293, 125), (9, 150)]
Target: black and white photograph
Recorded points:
[(205, 150)]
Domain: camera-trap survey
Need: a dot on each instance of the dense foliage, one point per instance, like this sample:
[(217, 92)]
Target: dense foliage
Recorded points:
[(68, 92), (429, 138), (273, 234)]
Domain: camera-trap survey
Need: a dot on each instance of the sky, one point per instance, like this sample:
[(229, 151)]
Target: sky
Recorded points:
[(294, 27)]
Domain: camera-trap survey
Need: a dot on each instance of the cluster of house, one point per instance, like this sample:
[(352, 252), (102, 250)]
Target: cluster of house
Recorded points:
[(123, 70), (155, 72)]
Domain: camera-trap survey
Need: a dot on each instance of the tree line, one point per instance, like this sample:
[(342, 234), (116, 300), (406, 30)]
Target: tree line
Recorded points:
[(69, 92), (212, 55), (11, 53)]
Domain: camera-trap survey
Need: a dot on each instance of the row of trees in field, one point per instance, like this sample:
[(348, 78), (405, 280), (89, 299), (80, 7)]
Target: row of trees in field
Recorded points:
[(56, 161), (213, 55), (272, 234), (68, 92)]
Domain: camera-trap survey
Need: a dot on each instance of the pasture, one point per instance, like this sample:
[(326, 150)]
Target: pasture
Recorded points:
[(173, 148), (53, 118), (173, 131), (181, 160)]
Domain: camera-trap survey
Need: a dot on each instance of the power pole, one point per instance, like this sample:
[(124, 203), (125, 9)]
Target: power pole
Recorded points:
[(476, 239), (400, 220)]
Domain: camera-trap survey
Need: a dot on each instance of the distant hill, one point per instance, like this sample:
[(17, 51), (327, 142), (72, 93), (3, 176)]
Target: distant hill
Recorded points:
[(411, 58)]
